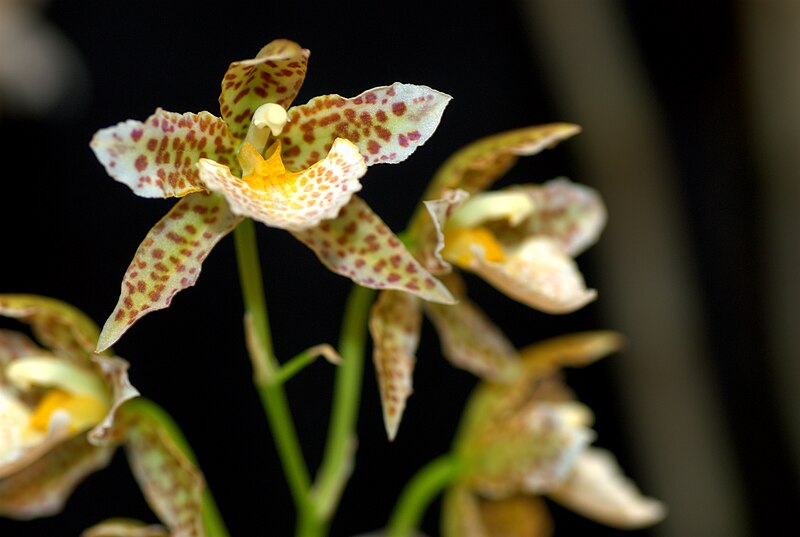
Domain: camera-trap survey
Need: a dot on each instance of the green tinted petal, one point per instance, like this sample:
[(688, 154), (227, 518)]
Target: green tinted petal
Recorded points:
[(387, 124), (168, 260), (395, 324), (273, 76), (170, 482), (357, 244), (42, 487), (56, 324), (157, 158), (532, 451), (471, 341), (476, 166)]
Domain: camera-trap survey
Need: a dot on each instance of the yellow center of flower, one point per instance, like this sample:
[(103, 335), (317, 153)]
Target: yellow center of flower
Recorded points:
[(460, 246), (72, 390), (266, 173)]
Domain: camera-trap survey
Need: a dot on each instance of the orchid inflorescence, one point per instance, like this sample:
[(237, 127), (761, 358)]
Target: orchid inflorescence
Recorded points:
[(65, 399)]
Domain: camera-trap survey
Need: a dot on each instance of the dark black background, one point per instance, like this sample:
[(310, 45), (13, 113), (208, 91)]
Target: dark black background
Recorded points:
[(69, 231)]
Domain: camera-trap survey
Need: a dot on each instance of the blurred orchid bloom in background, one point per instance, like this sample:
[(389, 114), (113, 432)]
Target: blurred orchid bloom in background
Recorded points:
[(40, 70), (303, 181), (63, 412), (528, 438), (521, 239)]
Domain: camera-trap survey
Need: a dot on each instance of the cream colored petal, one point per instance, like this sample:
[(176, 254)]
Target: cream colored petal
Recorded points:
[(27, 446), (596, 488), (538, 274), (42, 487)]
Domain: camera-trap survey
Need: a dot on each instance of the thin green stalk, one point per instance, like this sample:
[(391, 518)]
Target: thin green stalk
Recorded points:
[(273, 398), (212, 520), (426, 485), (337, 460)]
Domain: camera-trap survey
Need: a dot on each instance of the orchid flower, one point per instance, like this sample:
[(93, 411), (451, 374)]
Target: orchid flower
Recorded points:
[(291, 168), (63, 411), (520, 239), (530, 438)]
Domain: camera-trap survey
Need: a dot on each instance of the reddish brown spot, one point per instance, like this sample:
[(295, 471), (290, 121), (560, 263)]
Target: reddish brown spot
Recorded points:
[(373, 147), (383, 133), (399, 109), (158, 253), (393, 277), (136, 134), (141, 163)]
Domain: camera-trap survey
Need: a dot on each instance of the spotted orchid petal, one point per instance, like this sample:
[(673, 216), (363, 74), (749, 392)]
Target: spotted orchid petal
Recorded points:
[(571, 214), (357, 244), (537, 272), (287, 200), (429, 231), (387, 124), (476, 166), (597, 489), (394, 324), (56, 324), (125, 528), (273, 76), (168, 260), (42, 487), (533, 451), (170, 482), (471, 341), (156, 158)]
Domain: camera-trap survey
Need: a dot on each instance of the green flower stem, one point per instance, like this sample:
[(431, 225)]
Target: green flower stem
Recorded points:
[(337, 462), (273, 398), (212, 520), (426, 485)]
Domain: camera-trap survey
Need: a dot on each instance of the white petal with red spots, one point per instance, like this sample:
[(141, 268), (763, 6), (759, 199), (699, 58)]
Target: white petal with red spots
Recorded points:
[(168, 260), (156, 158), (387, 124)]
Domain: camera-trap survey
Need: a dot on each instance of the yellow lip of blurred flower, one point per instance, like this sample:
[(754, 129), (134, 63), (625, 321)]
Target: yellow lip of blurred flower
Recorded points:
[(50, 399), (510, 466), (521, 239)]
